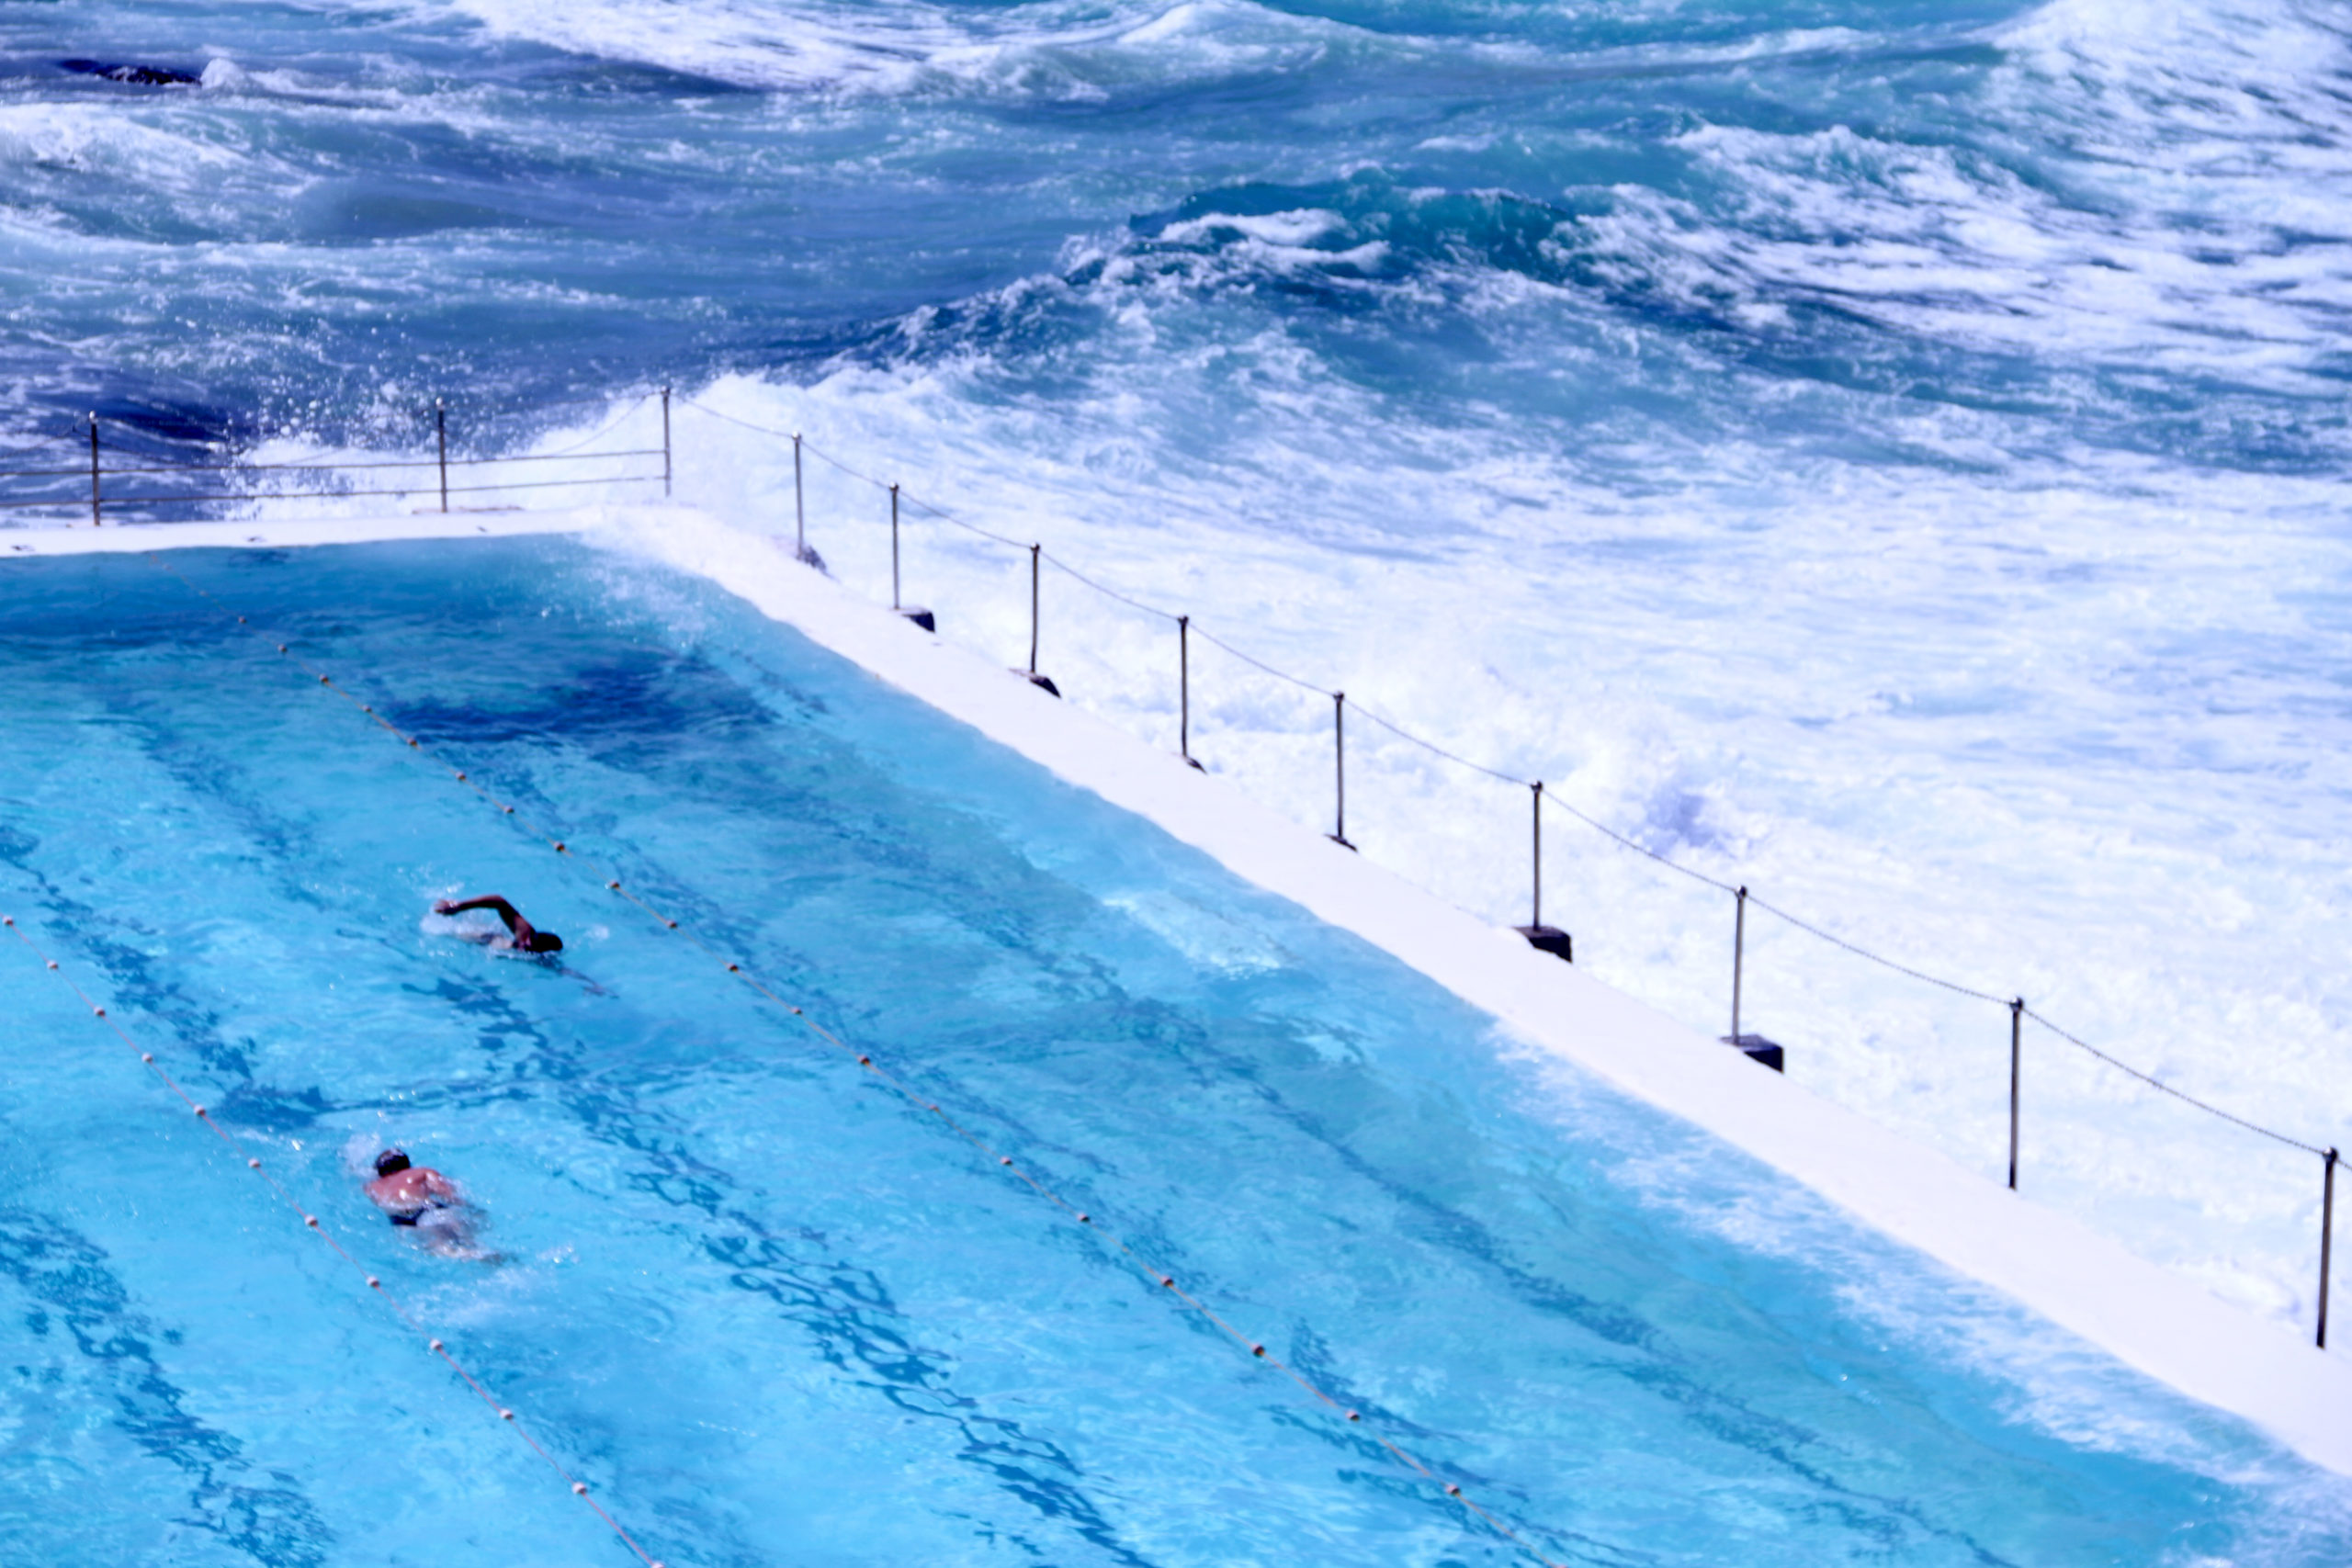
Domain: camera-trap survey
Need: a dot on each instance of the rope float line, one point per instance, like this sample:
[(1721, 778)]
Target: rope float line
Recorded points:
[(865, 1060), (1186, 623), (310, 1222)]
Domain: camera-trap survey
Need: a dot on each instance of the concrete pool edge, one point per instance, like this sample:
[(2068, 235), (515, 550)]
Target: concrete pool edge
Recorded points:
[(2160, 1323)]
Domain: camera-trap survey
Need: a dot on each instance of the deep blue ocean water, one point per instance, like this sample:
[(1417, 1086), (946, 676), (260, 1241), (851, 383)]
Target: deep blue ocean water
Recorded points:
[(771, 1313), (1635, 235)]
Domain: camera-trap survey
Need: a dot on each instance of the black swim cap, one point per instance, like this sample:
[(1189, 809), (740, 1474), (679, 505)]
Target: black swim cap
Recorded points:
[(545, 942), (390, 1162)]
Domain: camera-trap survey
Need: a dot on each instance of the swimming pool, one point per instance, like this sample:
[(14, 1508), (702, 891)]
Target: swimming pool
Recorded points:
[(774, 1315)]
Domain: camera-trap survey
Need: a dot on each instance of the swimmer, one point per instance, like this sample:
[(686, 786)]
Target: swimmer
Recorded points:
[(522, 936), (407, 1192), (422, 1199)]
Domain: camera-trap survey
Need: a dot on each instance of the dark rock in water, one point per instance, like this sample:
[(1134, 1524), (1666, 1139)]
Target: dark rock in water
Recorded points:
[(136, 75), (174, 420)]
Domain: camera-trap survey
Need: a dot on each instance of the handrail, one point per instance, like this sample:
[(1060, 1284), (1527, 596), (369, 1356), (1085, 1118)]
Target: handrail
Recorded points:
[(97, 471)]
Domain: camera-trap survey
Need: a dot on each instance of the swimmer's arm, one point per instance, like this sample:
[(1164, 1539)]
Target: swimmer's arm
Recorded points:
[(493, 902), (439, 1186)]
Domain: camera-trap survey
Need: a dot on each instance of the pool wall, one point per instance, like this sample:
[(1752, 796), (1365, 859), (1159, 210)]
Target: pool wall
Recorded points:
[(2160, 1323)]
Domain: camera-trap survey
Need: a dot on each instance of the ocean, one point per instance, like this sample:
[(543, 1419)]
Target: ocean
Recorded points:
[(1889, 456)]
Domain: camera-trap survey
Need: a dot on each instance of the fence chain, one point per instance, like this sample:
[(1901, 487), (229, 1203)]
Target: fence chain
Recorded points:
[(1808, 926)]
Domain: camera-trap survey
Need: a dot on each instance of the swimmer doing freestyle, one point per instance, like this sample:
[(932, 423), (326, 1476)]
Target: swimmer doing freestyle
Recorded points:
[(408, 1193), (526, 936), (422, 1200)]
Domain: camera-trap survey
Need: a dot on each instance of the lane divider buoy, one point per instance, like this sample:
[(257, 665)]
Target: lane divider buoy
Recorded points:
[(1256, 1349), (311, 1223)]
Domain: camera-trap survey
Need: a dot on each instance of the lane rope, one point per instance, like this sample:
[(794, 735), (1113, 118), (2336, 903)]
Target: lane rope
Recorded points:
[(1165, 1280), (317, 1227)]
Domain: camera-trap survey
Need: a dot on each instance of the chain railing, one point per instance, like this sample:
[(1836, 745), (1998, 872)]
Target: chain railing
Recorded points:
[(213, 482), (1546, 938), (1549, 938)]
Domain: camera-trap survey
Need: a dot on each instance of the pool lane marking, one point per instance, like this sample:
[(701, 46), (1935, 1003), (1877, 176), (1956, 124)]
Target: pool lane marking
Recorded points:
[(313, 1223), (1256, 1349)]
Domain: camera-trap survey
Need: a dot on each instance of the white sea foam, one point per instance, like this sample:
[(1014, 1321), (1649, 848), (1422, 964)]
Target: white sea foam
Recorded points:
[(1046, 51), (1941, 723), (92, 142)]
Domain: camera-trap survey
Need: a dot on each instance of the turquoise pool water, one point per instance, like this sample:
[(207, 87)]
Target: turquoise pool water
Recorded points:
[(773, 1315)]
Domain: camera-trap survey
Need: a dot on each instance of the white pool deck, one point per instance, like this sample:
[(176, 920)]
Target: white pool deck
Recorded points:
[(2161, 1323)]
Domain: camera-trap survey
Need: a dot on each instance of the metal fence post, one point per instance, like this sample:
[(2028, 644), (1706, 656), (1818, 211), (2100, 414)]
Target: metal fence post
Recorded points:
[(441, 436), (1042, 683), (665, 443), (1339, 834), (96, 516), (2017, 1022), (1535, 916), (799, 509), (1738, 956), (1184, 688), (2326, 1234), (1541, 937), (920, 617)]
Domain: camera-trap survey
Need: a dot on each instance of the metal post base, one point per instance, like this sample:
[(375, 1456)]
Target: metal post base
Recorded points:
[(1758, 1049), (923, 618), (1550, 939), (1335, 838), (1042, 683)]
